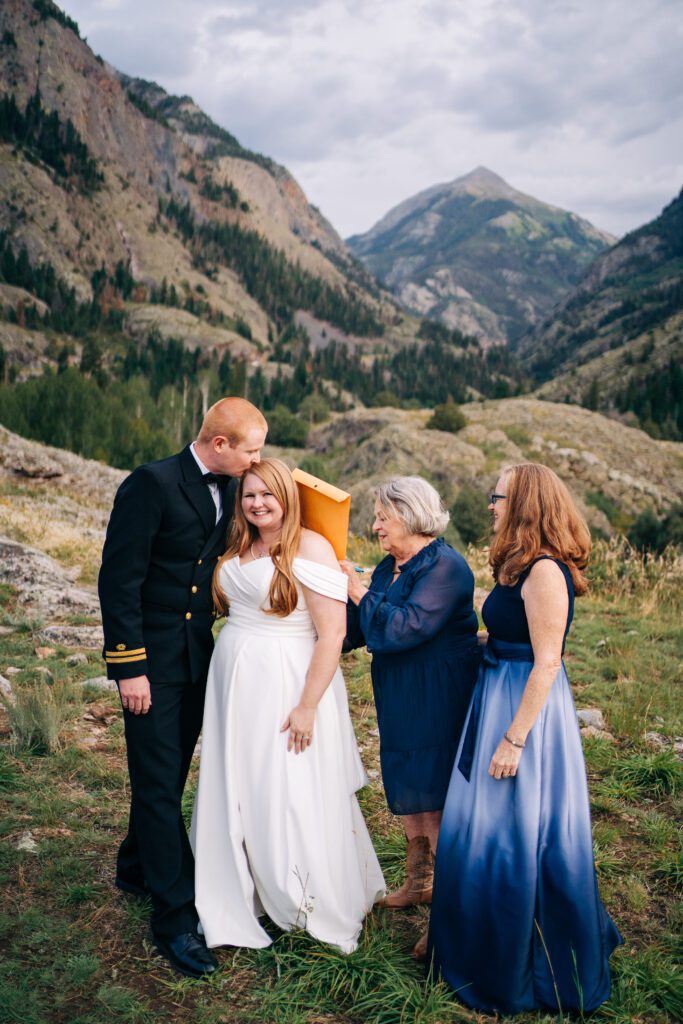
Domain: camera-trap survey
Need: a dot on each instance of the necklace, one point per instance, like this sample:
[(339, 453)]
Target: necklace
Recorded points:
[(253, 553)]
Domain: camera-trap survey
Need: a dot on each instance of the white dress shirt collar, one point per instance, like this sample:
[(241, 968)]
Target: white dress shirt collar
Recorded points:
[(214, 489)]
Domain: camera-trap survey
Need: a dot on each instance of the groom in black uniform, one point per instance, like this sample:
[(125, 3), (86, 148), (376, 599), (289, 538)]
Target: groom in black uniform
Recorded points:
[(167, 528)]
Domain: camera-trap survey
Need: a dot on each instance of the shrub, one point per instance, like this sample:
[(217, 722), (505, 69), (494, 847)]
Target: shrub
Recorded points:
[(243, 328), (316, 466), (315, 408), (447, 417), (591, 395), (384, 397), (284, 428), (518, 436), (468, 514), (648, 533), (47, 9)]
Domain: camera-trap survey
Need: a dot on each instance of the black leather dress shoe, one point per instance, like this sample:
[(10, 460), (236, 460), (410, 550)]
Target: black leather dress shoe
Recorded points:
[(188, 954), (134, 888)]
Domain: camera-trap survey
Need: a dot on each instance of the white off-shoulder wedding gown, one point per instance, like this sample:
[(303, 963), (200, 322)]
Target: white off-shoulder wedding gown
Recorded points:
[(276, 832)]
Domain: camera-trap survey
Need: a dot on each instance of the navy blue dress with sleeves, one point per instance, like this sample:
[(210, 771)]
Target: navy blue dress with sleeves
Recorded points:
[(517, 923), (422, 634)]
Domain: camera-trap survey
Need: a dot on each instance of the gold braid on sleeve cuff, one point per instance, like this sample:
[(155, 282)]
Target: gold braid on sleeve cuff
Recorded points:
[(125, 657)]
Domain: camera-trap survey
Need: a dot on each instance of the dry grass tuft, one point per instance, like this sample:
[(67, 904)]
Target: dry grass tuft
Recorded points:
[(37, 716)]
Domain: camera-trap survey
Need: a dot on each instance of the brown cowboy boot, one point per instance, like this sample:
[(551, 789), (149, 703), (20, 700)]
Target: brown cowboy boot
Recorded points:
[(417, 887)]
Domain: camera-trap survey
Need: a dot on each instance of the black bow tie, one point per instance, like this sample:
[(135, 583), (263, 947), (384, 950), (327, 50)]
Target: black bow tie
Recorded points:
[(215, 478)]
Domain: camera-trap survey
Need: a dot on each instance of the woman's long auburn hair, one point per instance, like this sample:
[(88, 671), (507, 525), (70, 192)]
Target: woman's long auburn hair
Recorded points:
[(283, 593), (541, 518)]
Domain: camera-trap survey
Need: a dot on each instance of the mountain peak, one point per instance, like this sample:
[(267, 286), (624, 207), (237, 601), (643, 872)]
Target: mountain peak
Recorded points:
[(482, 176), (479, 255)]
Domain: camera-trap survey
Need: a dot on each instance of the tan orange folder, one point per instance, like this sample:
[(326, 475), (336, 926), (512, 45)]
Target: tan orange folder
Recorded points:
[(325, 509)]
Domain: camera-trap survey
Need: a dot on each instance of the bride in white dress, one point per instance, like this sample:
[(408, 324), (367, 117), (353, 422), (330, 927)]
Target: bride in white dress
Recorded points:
[(276, 828)]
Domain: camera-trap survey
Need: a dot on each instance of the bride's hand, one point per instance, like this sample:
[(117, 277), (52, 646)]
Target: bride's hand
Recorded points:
[(300, 722)]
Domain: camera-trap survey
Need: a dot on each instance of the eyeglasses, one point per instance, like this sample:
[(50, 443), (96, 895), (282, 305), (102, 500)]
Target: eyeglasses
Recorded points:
[(493, 498)]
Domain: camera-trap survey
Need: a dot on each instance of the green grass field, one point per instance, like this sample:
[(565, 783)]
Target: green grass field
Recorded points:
[(73, 950)]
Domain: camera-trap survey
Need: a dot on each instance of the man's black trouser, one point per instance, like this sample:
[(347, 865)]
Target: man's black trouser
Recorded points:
[(156, 852)]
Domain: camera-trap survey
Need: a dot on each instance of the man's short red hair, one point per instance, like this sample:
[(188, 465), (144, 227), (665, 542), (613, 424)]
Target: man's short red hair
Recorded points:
[(231, 418)]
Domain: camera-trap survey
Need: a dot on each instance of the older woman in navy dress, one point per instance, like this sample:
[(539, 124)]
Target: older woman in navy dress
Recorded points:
[(517, 923), (419, 624)]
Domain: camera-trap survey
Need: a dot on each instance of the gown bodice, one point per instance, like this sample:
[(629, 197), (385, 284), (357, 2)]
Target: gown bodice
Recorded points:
[(504, 614), (247, 587)]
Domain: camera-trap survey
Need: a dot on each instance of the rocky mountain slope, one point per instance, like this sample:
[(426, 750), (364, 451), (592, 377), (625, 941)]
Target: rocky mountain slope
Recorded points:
[(619, 333), (479, 255), (278, 206), (143, 148)]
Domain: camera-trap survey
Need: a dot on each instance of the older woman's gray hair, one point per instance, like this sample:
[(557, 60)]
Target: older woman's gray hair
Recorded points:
[(415, 503)]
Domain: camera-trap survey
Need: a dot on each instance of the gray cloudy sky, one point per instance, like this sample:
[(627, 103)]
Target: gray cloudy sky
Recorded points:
[(577, 102)]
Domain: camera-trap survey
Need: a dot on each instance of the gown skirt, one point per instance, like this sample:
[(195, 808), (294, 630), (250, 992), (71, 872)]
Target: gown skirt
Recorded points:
[(275, 832), (517, 922)]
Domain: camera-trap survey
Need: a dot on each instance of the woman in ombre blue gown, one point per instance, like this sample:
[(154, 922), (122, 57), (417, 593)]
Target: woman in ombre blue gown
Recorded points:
[(517, 923)]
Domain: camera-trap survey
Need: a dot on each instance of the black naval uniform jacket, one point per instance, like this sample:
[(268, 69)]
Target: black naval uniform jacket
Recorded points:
[(159, 555)]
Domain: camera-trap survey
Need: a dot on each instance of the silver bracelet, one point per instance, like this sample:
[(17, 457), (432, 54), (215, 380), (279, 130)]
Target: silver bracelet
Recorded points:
[(520, 746)]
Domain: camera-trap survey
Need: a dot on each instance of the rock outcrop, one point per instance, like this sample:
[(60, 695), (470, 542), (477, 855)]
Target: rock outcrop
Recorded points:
[(592, 454), (54, 508), (41, 584)]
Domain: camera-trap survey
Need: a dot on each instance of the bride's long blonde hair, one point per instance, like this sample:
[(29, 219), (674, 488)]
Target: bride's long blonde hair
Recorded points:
[(283, 592)]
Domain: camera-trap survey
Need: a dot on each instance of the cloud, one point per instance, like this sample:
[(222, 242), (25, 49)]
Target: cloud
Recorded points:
[(368, 102)]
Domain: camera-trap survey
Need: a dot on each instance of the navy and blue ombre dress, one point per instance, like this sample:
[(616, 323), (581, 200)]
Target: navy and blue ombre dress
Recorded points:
[(517, 923), (422, 634)]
